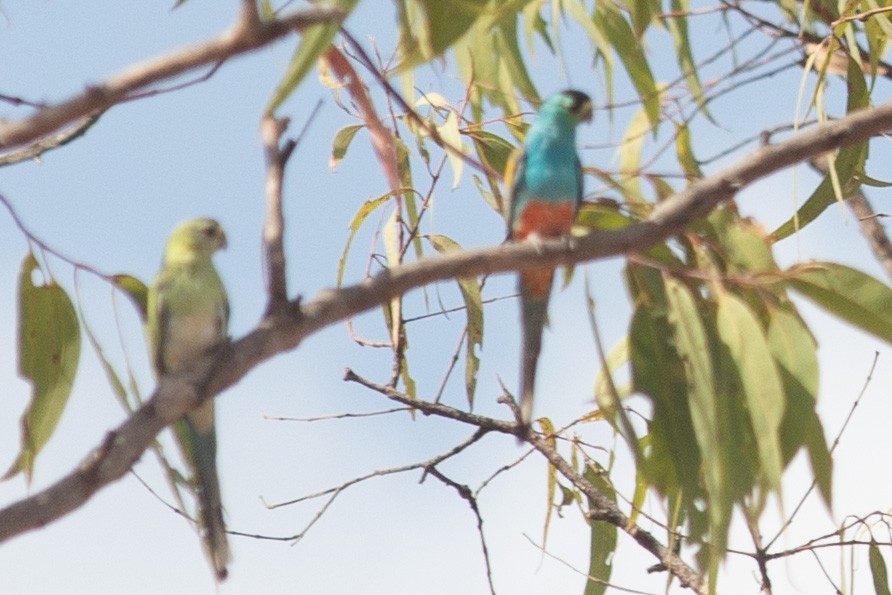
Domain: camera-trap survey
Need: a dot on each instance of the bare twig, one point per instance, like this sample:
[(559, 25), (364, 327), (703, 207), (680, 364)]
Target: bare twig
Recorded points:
[(334, 492), (337, 415), (602, 508), (467, 495)]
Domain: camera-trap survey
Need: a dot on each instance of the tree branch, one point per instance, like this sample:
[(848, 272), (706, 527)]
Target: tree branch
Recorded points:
[(271, 131), (285, 328), (249, 33), (605, 511)]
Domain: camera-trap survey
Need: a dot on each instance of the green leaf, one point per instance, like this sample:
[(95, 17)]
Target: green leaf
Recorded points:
[(49, 350), (470, 292), (136, 290), (854, 296), (603, 216), (367, 208), (494, 152), (678, 27), (685, 152), (673, 457), (446, 21), (492, 149), (848, 162), (450, 134), (591, 24), (630, 157), (741, 333), (745, 247), (878, 569), (552, 479), (604, 385), (795, 351), (603, 537), (313, 43), (693, 345), (341, 143), (631, 52), (511, 57)]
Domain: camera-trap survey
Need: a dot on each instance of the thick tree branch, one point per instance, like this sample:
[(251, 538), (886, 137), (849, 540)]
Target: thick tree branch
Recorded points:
[(271, 131), (249, 33), (285, 328)]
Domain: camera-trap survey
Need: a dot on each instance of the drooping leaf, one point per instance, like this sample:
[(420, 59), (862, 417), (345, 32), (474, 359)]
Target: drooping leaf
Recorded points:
[(49, 350), (136, 290), (313, 44), (741, 333), (848, 293), (603, 535), (341, 143), (511, 57), (494, 152), (367, 208), (604, 385), (795, 351), (552, 480), (113, 379), (450, 134), (470, 291), (630, 51), (685, 152), (445, 21), (678, 27), (673, 456), (840, 179), (878, 569), (630, 158), (590, 23), (694, 350)]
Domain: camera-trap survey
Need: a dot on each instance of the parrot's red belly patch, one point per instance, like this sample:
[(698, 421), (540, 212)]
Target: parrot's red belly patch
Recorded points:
[(545, 220)]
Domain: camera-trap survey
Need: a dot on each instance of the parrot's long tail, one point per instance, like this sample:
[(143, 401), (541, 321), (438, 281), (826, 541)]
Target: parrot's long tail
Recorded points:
[(210, 507), (535, 288)]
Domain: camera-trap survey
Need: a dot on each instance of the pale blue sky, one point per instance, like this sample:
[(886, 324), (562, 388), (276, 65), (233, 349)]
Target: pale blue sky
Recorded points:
[(111, 198)]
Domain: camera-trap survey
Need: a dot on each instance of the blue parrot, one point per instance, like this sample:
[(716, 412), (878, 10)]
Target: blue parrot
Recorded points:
[(545, 191)]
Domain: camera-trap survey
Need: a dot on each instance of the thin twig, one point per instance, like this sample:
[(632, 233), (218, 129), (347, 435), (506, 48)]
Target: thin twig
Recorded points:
[(466, 494), (337, 415)]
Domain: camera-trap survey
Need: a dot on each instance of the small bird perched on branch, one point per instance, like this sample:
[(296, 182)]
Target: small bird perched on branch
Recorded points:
[(188, 314), (545, 191)]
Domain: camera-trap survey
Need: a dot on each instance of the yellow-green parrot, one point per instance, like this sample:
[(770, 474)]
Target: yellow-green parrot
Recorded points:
[(188, 313)]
